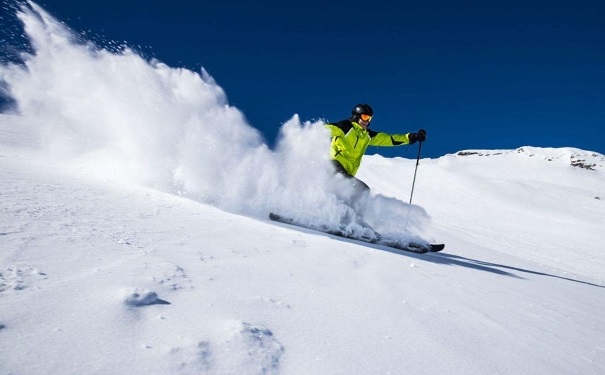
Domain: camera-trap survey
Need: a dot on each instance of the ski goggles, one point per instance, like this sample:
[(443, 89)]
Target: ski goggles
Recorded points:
[(365, 117)]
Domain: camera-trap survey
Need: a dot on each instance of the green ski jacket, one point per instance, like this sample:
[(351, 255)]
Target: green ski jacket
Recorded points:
[(350, 142)]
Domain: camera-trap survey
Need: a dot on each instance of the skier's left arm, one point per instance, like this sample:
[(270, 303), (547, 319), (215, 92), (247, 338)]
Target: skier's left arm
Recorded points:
[(384, 139)]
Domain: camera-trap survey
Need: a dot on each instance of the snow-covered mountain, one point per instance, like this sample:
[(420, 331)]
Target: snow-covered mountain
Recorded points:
[(134, 238)]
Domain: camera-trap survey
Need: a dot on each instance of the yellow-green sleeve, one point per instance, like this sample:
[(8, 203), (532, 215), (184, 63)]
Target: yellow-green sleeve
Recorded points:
[(384, 139)]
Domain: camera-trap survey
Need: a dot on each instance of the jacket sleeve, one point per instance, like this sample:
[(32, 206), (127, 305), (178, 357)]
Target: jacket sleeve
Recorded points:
[(335, 130), (384, 139), (340, 128)]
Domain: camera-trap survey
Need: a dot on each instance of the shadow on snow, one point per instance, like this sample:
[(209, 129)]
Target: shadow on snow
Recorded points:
[(456, 260), (443, 258)]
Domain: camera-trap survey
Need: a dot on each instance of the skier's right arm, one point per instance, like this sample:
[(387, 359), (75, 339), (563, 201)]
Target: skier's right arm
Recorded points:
[(338, 129)]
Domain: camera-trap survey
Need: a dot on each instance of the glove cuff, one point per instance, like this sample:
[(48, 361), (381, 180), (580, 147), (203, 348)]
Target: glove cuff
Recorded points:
[(412, 137)]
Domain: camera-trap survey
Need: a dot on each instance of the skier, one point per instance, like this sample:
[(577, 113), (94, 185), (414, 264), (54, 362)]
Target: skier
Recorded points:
[(351, 138)]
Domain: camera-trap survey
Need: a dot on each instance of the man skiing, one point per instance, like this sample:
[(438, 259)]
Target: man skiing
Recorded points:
[(350, 140)]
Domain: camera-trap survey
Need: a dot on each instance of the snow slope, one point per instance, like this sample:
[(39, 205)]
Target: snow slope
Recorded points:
[(134, 238), (104, 277)]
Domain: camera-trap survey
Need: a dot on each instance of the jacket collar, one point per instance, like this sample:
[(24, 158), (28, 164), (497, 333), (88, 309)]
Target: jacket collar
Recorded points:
[(358, 127)]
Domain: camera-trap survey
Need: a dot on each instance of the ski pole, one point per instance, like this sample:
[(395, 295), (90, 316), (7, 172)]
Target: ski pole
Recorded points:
[(413, 184), (416, 170)]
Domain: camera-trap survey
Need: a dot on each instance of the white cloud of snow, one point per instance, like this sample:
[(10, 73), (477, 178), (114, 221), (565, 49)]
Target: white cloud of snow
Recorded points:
[(115, 115)]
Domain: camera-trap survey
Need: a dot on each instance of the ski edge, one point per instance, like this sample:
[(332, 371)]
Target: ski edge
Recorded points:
[(409, 247)]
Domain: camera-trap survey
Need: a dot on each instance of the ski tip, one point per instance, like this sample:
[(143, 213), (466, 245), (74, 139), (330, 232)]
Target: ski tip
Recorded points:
[(278, 217), (436, 247)]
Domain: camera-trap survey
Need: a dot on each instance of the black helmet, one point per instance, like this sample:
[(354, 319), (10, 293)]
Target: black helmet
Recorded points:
[(361, 109)]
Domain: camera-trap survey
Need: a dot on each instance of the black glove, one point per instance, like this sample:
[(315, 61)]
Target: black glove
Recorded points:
[(420, 136)]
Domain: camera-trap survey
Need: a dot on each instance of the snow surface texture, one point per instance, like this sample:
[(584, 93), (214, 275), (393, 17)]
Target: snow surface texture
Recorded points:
[(134, 239)]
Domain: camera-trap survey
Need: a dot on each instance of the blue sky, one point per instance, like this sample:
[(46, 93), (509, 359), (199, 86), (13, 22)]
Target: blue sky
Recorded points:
[(474, 74)]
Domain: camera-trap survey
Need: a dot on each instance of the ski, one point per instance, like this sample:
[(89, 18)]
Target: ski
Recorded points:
[(436, 247), (417, 248)]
